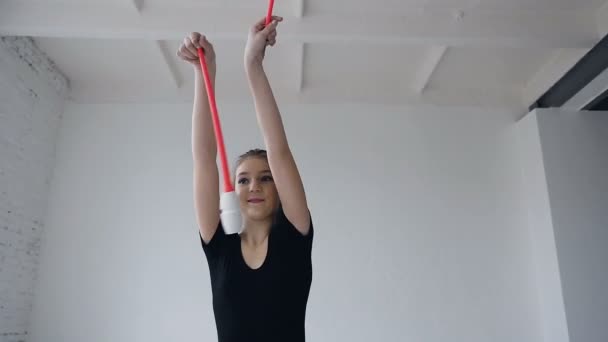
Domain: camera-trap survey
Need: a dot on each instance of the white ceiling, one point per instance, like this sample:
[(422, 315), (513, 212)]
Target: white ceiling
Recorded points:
[(446, 52)]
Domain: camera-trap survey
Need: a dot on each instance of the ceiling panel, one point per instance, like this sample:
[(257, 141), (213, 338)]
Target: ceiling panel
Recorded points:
[(110, 68), (540, 4), (127, 4), (362, 69), (396, 7), (483, 68), (463, 4), (384, 7), (358, 6), (101, 61)]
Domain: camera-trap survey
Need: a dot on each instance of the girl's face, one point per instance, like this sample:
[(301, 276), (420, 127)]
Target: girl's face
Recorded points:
[(255, 188)]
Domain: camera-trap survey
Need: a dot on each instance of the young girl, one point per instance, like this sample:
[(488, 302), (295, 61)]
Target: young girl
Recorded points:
[(260, 278)]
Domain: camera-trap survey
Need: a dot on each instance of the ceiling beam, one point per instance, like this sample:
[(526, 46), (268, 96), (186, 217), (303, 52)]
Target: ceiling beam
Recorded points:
[(164, 54), (426, 71), (300, 72), (590, 93), (300, 8), (515, 28), (138, 5)]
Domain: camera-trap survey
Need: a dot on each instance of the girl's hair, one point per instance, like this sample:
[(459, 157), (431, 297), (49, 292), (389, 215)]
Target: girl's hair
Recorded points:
[(254, 153)]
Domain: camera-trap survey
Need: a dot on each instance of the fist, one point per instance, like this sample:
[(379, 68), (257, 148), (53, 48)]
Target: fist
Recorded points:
[(188, 50), (261, 36)]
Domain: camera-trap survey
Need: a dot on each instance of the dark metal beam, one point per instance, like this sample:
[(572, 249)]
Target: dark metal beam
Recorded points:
[(600, 103), (583, 72)]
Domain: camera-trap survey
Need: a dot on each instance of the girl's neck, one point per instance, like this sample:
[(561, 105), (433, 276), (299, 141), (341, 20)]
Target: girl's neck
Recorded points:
[(256, 231)]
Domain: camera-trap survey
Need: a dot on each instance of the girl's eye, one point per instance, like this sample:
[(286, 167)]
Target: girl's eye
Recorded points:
[(266, 179), (243, 180)]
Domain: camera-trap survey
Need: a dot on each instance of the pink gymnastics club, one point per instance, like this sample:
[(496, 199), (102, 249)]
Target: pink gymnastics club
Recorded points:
[(269, 14), (230, 213)]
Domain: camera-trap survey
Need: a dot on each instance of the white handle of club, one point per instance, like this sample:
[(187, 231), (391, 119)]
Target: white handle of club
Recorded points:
[(230, 215)]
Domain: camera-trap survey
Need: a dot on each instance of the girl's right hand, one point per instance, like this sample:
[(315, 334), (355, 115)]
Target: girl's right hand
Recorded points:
[(188, 51)]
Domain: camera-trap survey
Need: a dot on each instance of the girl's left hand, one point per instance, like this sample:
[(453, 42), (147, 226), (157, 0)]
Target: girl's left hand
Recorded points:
[(260, 36)]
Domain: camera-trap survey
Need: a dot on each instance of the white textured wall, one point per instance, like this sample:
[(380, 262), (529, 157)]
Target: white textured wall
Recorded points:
[(420, 229), (32, 94), (575, 154)]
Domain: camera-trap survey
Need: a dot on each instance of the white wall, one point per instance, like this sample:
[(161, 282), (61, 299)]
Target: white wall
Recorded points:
[(564, 166), (420, 230), (535, 198), (575, 155), (32, 96)]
